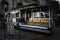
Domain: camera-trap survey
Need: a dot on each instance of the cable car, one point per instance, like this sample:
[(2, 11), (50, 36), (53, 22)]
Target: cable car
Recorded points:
[(38, 19), (34, 19)]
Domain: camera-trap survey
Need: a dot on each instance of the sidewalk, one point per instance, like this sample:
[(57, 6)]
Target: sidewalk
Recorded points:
[(15, 36), (5, 36)]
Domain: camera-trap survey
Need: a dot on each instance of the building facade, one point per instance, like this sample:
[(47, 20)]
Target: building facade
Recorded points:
[(13, 3)]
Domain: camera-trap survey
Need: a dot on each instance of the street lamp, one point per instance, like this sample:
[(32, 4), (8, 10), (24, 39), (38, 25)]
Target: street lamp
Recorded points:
[(4, 4)]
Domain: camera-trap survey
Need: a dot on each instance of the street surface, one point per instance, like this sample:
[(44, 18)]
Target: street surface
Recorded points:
[(31, 35)]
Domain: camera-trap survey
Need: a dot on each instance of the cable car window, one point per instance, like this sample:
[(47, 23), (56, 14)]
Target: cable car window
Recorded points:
[(46, 15), (17, 14), (36, 15), (8, 15), (42, 15)]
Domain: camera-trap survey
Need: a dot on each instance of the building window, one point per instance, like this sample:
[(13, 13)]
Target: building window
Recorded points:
[(42, 2)]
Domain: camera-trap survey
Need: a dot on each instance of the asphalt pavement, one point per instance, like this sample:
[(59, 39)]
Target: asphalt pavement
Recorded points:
[(31, 35)]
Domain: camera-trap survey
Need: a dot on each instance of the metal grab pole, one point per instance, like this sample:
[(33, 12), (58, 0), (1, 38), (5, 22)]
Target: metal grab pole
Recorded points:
[(49, 18), (25, 15), (32, 15), (12, 3)]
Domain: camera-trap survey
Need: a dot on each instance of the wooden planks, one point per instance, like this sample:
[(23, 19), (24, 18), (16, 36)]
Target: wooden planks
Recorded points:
[(39, 21)]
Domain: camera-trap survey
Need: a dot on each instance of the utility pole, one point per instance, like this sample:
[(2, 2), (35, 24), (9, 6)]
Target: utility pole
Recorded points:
[(12, 3)]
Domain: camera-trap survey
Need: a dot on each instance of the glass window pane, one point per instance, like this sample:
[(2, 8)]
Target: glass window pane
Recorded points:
[(17, 14), (46, 15), (36, 14), (42, 15)]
